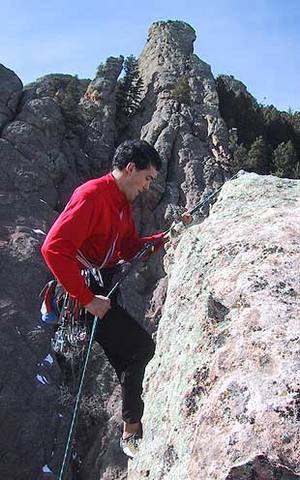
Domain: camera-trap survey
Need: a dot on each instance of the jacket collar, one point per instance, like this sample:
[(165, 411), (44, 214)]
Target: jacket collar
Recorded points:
[(119, 197)]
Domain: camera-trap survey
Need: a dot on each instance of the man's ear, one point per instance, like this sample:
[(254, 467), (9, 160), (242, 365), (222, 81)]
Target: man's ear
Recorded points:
[(130, 167)]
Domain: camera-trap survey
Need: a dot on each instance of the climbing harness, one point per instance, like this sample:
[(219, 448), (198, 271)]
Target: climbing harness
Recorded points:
[(65, 312)]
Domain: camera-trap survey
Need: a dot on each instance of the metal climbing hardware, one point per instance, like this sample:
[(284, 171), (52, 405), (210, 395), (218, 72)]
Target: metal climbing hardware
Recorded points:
[(67, 316), (72, 331)]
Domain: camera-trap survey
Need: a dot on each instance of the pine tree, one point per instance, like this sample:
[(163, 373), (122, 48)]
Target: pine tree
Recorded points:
[(257, 158), (129, 88), (285, 160), (239, 158), (239, 112), (278, 126), (181, 91)]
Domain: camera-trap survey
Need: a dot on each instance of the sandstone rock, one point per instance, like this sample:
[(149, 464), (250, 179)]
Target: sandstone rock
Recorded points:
[(222, 392)]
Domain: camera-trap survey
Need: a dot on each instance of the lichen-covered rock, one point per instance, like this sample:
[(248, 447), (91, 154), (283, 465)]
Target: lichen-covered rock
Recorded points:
[(222, 392)]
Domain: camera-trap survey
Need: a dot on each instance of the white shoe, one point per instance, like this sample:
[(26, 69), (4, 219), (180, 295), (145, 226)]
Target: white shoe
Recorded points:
[(130, 445)]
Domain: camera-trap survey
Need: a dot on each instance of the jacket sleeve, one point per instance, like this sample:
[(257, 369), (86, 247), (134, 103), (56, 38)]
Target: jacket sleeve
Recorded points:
[(132, 243), (64, 239)]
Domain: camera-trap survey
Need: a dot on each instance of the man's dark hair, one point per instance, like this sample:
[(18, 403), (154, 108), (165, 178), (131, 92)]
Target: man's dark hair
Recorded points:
[(137, 151)]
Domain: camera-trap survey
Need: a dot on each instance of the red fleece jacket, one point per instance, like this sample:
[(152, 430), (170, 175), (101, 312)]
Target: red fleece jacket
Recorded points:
[(97, 219)]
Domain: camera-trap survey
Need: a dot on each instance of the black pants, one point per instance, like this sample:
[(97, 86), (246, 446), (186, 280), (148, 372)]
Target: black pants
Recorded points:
[(128, 348)]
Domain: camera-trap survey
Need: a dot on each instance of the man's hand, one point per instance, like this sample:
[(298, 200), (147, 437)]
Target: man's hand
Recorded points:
[(186, 218), (99, 306)]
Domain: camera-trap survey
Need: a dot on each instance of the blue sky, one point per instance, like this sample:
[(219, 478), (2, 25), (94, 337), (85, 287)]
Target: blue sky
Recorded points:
[(257, 41)]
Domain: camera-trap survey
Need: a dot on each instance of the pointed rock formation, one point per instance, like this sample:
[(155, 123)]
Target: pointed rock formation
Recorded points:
[(179, 115)]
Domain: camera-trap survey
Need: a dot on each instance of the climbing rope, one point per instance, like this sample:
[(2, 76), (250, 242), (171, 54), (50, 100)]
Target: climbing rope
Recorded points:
[(206, 200)]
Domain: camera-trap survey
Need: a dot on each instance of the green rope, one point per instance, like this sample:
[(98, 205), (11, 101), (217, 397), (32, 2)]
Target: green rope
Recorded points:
[(77, 404), (209, 197)]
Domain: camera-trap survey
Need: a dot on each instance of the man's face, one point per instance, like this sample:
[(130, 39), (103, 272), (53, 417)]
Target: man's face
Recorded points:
[(138, 181)]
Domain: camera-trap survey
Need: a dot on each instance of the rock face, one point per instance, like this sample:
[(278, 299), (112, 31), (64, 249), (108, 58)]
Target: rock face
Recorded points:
[(98, 108), (44, 153), (56, 133), (179, 115), (10, 93), (222, 392)]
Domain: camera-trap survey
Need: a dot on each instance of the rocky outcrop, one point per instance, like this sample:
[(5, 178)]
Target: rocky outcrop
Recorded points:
[(44, 154), (10, 93), (98, 108), (222, 392), (237, 87), (179, 115), (230, 291)]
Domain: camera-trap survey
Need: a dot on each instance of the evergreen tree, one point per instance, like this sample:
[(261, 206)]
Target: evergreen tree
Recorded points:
[(239, 158), (257, 158), (285, 160), (129, 88), (181, 91), (238, 152), (240, 112), (278, 126)]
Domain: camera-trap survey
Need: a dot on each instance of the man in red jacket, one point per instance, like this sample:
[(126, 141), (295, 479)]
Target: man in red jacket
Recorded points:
[(97, 226)]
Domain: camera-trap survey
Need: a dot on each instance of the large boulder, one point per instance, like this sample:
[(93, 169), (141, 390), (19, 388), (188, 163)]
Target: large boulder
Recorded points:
[(222, 392)]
